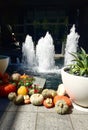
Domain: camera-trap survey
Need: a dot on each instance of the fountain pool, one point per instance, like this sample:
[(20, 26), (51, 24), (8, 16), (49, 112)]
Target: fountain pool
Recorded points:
[(52, 79)]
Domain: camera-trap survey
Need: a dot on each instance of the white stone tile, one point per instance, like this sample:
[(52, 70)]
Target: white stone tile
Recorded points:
[(79, 122), (18, 121), (53, 121)]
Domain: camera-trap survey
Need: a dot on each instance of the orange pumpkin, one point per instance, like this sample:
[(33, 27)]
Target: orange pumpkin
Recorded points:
[(6, 78), (6, 89), (48, 103), (65, 98), (1, 90), (9, 88)]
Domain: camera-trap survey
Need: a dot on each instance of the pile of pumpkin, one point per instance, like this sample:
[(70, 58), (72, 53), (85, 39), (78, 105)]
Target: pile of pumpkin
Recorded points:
[(20, 90)]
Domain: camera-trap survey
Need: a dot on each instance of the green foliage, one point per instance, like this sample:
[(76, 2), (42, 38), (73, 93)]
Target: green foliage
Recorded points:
[(80, 65)]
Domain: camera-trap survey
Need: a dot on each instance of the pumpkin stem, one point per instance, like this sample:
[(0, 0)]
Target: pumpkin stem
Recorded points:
[(61, 105)]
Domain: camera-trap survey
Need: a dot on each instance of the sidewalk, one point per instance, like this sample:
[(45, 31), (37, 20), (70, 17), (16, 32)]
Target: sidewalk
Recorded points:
[(29, 117)]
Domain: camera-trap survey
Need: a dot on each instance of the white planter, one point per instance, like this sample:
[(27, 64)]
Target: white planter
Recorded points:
[(4, 61), (76, 87)]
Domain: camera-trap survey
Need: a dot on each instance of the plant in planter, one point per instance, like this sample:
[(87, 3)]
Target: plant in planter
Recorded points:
[(75, 78), (80, 67)]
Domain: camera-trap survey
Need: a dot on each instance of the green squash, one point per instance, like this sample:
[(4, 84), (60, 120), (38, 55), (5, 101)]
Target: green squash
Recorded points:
[(49, 93), (19, 99), (61, 107), (11, 96)]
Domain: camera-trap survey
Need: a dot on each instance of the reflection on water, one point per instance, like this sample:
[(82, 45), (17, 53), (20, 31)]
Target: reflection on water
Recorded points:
[(52, 79)]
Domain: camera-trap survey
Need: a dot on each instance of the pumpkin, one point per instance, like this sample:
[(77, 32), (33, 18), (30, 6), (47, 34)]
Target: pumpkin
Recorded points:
[(61, 90), (15, 76), (2, 93), (48, 93), (6, 89), (5, 77), (26, 99), (19, 99), (11, 96), (48, 103), (61, 107), (65, 98), (22, 90), (37, 99)]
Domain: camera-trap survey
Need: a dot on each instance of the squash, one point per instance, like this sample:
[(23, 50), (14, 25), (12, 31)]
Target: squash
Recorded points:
[(11, 96), (37, 99), (7, 88), (48, 103), (49, 93), (19, 100), (5, 77), (61, 107), (26, 99), (22, 90), (61, 90), (15, 77), (65, 98)]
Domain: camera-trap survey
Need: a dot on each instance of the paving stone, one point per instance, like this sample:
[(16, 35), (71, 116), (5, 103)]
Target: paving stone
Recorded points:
[(44, 109), (53, 121), (79, 122), (77, 112), (18, 121), (21, 108)]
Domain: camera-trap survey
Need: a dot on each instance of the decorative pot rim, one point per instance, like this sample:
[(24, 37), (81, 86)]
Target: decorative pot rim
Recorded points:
[(63, 69), (3, 57)]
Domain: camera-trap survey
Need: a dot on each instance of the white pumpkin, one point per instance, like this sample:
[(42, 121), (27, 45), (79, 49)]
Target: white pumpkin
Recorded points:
[(37, 99), (61, 90)]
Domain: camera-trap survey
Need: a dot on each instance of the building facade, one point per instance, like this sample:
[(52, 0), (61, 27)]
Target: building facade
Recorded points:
[(36, 17)]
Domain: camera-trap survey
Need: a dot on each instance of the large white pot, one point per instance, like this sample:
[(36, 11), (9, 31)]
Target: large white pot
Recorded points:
[(4, 61), (76, 87)]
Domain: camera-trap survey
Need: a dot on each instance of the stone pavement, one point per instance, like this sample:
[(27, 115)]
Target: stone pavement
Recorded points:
[(29, 117)]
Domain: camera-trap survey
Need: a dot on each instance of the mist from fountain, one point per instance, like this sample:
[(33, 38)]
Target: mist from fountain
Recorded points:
[(71, 46)]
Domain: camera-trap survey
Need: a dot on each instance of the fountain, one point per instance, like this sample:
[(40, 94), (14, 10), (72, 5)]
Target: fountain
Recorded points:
[(28, 57), (71, 45), (43, 60), (45, 54)]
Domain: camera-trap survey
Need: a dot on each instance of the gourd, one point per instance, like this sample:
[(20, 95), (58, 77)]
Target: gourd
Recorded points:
[(22, 90), (4, 78), (61, 107), (11, 96), (26, 99), (15, 76), (49, 93), (48, 103), (19, 99), (37, 99), (61, 90), (7, 88), (65, 98)]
